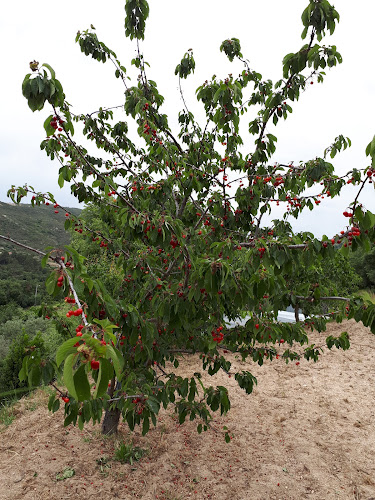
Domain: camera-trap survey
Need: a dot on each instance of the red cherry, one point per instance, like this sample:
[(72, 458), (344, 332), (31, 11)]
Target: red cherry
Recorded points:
[(65, 399), (95, 364)]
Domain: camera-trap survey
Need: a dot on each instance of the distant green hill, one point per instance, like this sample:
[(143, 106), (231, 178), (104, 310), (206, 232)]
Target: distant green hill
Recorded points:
[(22, 280), (37, 227)]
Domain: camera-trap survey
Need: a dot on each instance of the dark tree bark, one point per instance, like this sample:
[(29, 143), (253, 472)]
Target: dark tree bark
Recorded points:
[(111, 421)]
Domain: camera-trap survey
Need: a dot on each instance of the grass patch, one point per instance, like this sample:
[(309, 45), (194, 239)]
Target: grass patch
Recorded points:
[(15, 393), (7, 414), (13, 404), (127, 453), (104, 465), (368, 295), (65, 474)]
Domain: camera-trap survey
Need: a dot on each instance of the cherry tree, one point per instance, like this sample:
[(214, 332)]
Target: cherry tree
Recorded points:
[(181, 227)]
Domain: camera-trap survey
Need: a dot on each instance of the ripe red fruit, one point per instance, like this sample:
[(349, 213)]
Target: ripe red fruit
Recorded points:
[(95, 364), (257, 326), (65, 399)]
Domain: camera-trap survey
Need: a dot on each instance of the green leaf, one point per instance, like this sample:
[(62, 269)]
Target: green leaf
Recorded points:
[(81, 383), (368, 220), (55, 406), (48, 127), (146, 426), (45, 260), (34, 375), (81, 423), (23, 372), (68, 375), (53, 75), (65, 350), (117, 359), (26, 86), (153, 404), (51, 283), (104, 376), (217, 95), (51, 400), (77, 258), (36, 103), (60, 180)]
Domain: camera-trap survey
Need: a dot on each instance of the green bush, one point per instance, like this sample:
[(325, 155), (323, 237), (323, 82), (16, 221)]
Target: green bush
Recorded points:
[(12, 363), (9, 311), (26, 321), (364, 264), (28, 288)]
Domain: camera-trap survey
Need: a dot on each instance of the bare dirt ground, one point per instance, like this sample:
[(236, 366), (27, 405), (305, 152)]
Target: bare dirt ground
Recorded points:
[(306, 432)]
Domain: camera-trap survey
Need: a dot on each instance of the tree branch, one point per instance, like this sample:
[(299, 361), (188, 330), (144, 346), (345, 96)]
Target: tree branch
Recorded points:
[(312, 299), (39, 252)]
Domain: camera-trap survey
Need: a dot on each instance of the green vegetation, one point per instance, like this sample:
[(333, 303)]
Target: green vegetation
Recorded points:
[(22, 287), (127, 453), (65, 474), (22, 281), (37, 227), (364, 265), (6, 412)]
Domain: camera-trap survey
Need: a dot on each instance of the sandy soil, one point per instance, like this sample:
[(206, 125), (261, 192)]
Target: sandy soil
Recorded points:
[(306, 432)]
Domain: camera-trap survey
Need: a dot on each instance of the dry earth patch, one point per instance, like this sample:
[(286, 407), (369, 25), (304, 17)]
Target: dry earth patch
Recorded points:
[(307, 431)]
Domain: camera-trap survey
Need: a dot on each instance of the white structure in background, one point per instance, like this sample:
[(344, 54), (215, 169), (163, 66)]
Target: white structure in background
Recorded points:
[(289, 317), (283, 317)]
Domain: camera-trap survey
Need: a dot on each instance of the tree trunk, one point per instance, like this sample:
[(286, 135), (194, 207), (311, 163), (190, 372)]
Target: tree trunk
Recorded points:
[(111, 421), (296, 313)]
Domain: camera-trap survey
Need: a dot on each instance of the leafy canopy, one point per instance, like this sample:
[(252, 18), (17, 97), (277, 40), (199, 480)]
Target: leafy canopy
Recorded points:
[(181, 220)]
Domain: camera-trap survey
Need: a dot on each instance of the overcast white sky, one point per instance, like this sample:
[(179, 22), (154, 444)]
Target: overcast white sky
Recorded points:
[(268, 30)]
